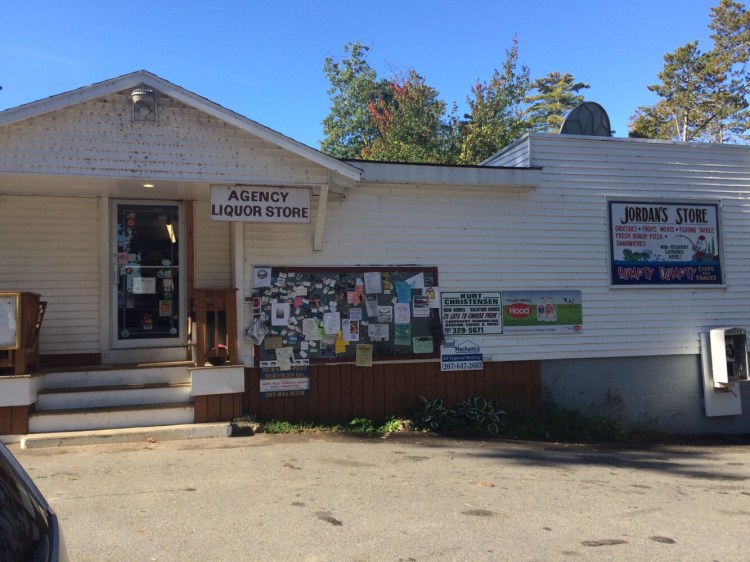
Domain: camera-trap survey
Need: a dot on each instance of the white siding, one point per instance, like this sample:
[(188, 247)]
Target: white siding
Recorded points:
[(515, 154), (50, 245), (212, 249), (97, 138), (552, 237)]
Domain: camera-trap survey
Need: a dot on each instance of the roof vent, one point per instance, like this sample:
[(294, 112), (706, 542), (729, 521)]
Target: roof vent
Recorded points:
[(144, 105)]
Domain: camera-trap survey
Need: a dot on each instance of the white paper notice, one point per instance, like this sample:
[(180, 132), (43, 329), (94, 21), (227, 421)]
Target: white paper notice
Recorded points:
[(385, 314), (332, 323), (144, 285), (433, 296), (416, 282), (280, 313), (310, 329), (371, 303), (402, 313), (284, 357), (378, 332), (421, 306), (261, 277), (350, 329), (373, 283)]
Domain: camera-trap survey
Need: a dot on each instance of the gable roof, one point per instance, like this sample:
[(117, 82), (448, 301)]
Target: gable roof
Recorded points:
[(345, 172)]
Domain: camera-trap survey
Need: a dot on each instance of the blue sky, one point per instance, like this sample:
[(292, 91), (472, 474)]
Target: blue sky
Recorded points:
[(264, 59)]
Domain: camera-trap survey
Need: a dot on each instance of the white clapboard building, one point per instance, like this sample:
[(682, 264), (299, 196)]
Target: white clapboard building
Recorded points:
[(140, 212)]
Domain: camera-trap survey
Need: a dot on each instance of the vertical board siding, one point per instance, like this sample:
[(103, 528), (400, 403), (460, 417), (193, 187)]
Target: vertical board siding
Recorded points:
[(217, 408), (50, 246), (14, 420), (339, 393), (212, 249), (552, 237)]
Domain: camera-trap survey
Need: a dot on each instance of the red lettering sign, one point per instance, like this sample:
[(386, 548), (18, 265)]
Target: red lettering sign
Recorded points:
[(519, 310)]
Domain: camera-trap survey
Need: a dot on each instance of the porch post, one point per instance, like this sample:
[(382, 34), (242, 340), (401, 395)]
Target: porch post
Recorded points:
[(107, 276), (320, 219), (238, 276)]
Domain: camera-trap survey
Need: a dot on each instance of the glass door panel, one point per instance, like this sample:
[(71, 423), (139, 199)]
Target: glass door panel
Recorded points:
[(148, 274)]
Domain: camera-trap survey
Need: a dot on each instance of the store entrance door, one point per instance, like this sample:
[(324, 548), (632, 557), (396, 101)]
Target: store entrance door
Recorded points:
[(149, 308)]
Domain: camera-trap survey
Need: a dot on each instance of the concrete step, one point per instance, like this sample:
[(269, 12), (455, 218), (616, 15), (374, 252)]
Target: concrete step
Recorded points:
[(49, 421), (112, 375), (107, 396), (128, 435)]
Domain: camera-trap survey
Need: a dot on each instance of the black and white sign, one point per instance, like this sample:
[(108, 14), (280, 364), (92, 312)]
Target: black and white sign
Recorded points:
[(471, 313), (260, 204)]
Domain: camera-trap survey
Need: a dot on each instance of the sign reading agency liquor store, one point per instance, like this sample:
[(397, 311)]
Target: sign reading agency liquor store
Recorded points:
[(470, 313), (260, 203)]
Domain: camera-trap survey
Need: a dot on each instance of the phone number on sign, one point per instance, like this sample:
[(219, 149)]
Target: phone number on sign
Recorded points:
[(462, 366), (463, 330), (283, 394)]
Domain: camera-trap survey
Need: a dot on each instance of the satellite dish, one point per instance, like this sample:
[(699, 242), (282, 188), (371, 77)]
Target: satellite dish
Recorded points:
[(588, 118)]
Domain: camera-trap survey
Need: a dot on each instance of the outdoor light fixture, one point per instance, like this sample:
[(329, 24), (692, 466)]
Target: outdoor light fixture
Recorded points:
[(144, 105), (148, 185), (170, 231)]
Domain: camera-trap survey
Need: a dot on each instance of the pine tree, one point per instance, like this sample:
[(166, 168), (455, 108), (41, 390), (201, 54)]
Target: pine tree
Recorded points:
[(703, 96), (557, 94)]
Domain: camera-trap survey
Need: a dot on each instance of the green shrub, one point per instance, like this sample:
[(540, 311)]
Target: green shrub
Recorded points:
[(432, 415), (481, 415), (391, 424), (475, 415), (360, 425)]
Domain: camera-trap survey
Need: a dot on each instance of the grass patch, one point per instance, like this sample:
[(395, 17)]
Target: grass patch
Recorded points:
[(356, 425), (482, 418), (556, 423), (276, 426)]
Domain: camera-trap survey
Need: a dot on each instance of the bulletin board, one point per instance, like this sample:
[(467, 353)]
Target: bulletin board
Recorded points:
[(324, 314)]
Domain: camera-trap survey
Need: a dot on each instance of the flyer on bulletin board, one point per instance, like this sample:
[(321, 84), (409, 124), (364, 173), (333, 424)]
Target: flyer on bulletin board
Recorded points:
[(364, 355)]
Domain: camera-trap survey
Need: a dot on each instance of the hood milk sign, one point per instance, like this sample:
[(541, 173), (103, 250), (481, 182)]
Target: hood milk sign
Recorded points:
[(260, 204)]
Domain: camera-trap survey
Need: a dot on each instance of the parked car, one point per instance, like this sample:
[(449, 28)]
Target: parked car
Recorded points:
[(29, 529)]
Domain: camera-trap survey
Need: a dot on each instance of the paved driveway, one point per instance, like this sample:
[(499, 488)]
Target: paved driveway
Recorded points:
[(415, 497)]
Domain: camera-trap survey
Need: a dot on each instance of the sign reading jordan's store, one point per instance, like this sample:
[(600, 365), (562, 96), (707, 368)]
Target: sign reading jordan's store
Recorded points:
[(260, 204), (665, 243)]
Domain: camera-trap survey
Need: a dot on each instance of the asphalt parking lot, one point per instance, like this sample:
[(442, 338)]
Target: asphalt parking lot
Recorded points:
[(406, 497)]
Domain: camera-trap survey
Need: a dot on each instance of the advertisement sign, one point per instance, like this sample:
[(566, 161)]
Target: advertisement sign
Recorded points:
[(465, 355), (260, 204), (542, 312), (659, 243), (8, 322), (279, 382), (471, 313)]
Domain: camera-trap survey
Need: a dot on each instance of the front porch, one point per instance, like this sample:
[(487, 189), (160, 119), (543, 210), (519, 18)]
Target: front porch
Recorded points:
[(58, 397), (119, 396)]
